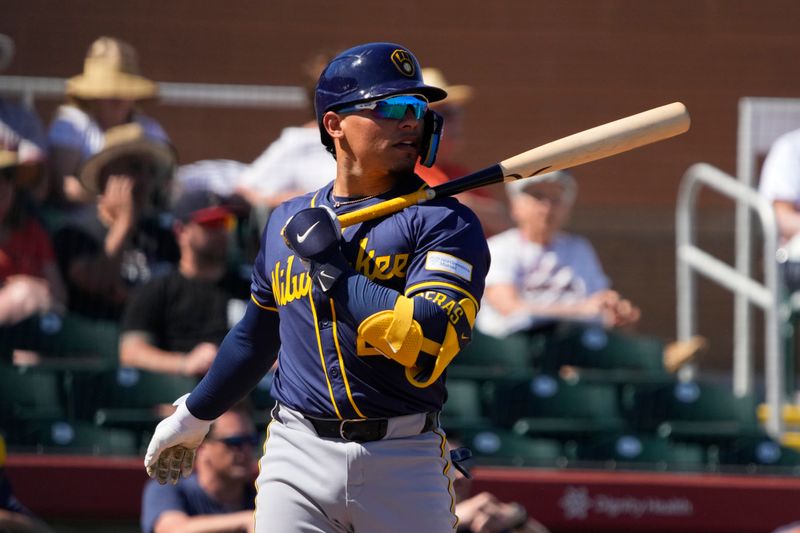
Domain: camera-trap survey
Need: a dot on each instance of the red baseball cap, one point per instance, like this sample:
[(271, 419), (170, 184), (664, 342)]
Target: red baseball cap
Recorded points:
[(201, 207)]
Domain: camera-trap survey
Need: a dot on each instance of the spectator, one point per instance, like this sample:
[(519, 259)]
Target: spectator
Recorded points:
[(30, 283), (780, 184), (14, 516), (21, 131), (174, 323), (104, 96), (295, 163), (489, 203), (121, 241), (219, 496), (541, 275)]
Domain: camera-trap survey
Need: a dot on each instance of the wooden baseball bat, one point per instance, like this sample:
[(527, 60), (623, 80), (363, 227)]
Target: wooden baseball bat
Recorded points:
[(589, 145)]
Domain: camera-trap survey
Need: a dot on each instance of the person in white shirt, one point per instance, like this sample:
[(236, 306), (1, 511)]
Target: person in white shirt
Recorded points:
[(295, 163), (780, 184), (541, 275)]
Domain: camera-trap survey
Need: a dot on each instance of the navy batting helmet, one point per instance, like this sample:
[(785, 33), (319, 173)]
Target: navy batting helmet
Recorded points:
[(367, 72)]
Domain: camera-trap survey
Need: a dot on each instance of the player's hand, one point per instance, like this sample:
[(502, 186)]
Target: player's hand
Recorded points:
[(313, 235), (171, 451)]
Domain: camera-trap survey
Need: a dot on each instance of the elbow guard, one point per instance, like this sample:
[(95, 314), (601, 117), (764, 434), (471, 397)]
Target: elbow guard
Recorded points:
[(422, 334)]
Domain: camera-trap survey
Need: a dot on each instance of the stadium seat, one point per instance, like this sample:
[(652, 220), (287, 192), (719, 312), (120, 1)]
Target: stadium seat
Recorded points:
[(127, 397), (497, 446), (29, 393), (594, 347), (513, 351), (548, 406), (693, 411), (759, 453), (70, 336), (61, 436), (463, 407), (641, 451)]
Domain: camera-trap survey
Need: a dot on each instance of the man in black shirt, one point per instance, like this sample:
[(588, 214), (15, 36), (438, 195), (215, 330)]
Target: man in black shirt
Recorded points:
[(174, 323)]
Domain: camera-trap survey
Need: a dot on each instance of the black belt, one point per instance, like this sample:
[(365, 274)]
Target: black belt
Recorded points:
[(358, 429)]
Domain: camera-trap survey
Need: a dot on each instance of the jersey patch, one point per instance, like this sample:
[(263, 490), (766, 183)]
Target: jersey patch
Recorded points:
[(448, 263)]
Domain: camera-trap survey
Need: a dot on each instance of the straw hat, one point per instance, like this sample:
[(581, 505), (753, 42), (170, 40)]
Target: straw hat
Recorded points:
[(456, 94), (6, 50), (128, 139), (111, 70)]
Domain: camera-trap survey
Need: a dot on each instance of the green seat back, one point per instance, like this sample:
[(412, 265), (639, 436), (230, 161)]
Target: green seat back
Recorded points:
[(30, 393), (695, 410), (61, 436), (497, 446), (648, 451), (596, 347), (483, 350), (547, 406)]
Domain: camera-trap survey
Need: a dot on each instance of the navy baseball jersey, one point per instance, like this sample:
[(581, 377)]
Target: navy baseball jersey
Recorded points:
[(434, 250)]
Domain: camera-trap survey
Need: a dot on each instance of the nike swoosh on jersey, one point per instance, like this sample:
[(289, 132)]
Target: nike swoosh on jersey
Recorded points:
[(304, 236), (321, 274)]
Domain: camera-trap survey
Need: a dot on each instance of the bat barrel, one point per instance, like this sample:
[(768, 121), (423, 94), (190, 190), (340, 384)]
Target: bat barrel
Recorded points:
[(599, 142)]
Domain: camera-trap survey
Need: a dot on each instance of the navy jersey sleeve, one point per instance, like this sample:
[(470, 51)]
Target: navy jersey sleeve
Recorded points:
[(451, 251)]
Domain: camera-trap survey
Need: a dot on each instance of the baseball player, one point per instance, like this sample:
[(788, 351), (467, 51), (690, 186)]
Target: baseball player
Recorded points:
[(366, 321)]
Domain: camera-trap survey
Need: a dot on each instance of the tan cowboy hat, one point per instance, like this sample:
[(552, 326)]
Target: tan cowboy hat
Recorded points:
[(128, 139), (111, 70), (456, 94)]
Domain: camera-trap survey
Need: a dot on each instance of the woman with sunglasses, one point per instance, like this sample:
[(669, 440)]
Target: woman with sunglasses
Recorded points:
[(367, 320)]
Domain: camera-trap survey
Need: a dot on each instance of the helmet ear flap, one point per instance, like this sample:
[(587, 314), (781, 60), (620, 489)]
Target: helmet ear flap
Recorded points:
[(434, 124)]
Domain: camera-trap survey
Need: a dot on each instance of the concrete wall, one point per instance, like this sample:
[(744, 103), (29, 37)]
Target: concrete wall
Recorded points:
[(541, 70)]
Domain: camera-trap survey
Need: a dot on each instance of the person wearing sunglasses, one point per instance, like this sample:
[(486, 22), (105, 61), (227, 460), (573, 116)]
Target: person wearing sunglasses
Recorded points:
[(220, 494), (174, 323), (367, 319)]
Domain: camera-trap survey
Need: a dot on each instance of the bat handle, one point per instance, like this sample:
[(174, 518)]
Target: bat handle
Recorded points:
[(386, 208)]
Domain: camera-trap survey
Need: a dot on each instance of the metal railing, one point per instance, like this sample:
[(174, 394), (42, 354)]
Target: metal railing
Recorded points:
[(30, 88), (691, 259)]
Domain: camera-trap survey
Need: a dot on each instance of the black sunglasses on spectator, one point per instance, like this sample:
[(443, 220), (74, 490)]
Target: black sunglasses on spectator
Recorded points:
[(237, 441)]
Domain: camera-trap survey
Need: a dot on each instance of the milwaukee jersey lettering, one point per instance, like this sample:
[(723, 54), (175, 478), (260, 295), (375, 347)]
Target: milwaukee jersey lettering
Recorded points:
[(435, 251)]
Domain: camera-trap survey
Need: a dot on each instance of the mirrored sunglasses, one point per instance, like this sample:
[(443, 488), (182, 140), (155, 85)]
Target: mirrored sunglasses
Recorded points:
[(238, 441), (394, 107)]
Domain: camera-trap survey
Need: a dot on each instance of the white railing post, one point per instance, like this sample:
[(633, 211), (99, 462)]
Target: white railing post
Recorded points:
[(767, 295)]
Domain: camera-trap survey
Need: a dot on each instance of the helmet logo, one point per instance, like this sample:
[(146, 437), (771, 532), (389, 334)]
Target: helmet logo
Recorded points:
[(402, 59)]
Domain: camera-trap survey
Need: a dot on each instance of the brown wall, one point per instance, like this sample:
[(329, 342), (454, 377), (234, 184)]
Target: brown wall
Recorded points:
[(541, 70)]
